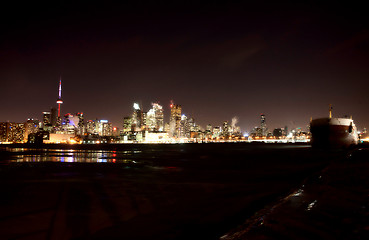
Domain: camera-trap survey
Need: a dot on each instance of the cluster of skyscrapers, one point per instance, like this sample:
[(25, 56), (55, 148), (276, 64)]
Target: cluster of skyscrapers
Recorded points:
[(140, 126)]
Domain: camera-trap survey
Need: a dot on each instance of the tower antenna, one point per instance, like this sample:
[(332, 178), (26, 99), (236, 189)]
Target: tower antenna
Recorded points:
[(59, 101)]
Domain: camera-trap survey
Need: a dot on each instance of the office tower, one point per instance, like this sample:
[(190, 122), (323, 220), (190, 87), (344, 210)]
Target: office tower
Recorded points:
[(175, 119), (137, 117), (81, 124), (143, 123), (46, 119), (216, 132), (151, 120), (106, 128), (3, 132), (225, 129), (127, 124), (191, 124), (53, 116), (159, 116), (12, 132), (70, 124), (184, 127), (263, 126), (90, 127), (155, 118), (31, 127)]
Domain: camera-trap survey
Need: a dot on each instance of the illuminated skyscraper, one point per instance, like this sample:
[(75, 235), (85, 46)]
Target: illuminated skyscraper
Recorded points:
[(3, 132), (12, 132), (127, 124), (91, 126), (191, 124), (137, 117), (81, 123), (225, 129), (209, 130), (46, 119), (31, 127), (184, 127), (159, 116), (99, 127), (151, 120), (155, 118), (175, 120), (106, 128), (216, 132), (263, 126), (70, 124)]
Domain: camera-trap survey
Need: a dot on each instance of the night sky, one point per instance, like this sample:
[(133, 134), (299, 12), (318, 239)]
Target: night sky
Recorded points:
[(218, 60)]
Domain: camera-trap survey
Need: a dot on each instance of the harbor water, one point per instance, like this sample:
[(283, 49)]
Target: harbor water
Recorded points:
[(172, 191)]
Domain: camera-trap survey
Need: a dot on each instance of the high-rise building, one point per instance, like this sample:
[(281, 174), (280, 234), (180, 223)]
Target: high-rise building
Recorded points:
[(144, 118), (216, 132), (159, 116), (81, 124), (3, 131), (175, 120), (184, 127), (263, 126), (151, 120), (127, 124), (137, 118), (155, 118), (90, 127), (106, 128), (31, 127), (99, 127), (70, 124), (46, 119), (12, 132), (225, 129), (53, 116), (192, 124)]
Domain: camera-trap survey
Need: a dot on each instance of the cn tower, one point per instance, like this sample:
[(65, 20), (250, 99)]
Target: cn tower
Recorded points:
[(59, 101)]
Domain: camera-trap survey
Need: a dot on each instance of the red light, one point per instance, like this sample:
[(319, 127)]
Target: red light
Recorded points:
[(171, 105)]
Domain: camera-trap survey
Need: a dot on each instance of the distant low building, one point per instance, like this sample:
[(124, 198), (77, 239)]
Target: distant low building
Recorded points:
[(156, 137), (60, 138)]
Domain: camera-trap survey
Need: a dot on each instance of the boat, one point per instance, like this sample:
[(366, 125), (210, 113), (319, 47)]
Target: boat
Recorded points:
[(333, 132)]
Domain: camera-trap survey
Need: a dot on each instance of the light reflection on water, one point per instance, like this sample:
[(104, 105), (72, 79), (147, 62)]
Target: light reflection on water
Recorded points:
[(71, 155)]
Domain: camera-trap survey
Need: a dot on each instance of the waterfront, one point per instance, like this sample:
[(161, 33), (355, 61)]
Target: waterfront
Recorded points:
[(180, 191)]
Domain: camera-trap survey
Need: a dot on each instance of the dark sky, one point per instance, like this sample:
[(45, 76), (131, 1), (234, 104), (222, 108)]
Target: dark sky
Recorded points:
[(218, 60)]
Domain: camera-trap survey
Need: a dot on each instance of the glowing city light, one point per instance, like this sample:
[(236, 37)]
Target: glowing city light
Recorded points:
[(136, 106)]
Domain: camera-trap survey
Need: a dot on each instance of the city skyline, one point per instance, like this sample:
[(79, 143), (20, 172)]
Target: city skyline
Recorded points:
[(167, 117), (217, 61)]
